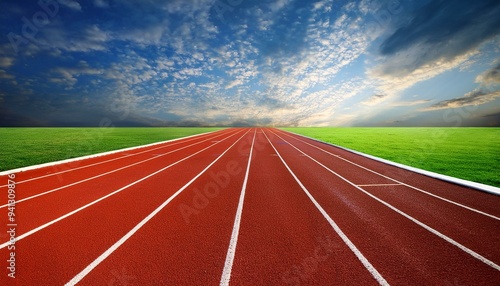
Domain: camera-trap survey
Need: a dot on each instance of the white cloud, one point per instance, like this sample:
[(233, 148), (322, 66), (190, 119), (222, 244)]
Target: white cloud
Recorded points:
[(278, 5), (409, 103), (68, 76), (392, 82), (191, 71), (151, 35), (340, 21), (90, 38), (6, 62), (5, 75), (234, 83), (164, 64), (324, 108), (329, 50), (432, 42), (321, 4)]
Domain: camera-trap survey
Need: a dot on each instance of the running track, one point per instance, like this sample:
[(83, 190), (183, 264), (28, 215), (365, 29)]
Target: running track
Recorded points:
[(247, 206)]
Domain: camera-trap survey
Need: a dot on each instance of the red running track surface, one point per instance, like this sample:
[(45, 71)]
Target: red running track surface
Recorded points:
[(245, 206)]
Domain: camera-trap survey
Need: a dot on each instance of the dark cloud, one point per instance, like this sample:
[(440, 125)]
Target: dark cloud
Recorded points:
[(379, 96), (491, 76), (10, 119), (82, 118), (492, 115), (492, 120), (440, 118), (374, 99), (443, 29), (272, 103), (45, 109), (476, 97)]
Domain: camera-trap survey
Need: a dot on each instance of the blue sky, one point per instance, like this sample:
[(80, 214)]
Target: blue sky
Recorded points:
[(246, 62)]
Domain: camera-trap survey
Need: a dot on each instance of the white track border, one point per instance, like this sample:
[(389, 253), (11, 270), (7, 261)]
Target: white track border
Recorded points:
[(23, 169), (461, 182)]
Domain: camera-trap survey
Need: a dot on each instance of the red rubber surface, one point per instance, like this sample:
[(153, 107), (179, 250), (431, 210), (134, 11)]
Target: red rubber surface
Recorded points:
[(283, 239)]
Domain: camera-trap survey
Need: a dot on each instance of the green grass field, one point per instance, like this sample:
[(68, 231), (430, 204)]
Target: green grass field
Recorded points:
[(468, 153), (20, 147)]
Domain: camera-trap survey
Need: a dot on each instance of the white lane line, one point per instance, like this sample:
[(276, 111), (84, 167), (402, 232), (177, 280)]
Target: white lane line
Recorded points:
[(114, 152), (399, 182), (24, 235), (122, 240), (231, 251), (378, 185), (334, 225), (104, 174), (421, 224)]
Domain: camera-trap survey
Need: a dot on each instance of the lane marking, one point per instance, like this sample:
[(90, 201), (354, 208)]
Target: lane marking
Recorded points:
[(378, 185), (334, 225), (105, 154), (24, 235), (419, 223), (103, 174), (122, 240), (399, 182), (231, 251)]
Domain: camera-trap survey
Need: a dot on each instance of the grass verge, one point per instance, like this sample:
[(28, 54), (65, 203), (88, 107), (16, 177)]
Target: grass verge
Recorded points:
[(21, 147), (468, 153)]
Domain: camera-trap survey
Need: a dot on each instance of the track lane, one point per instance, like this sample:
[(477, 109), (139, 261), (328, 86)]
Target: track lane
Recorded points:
[(431, 258), (185, 243), (283, 239), (231, 250), (473, 230)]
